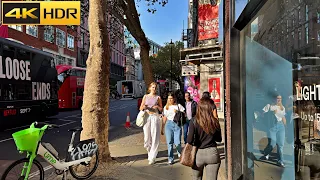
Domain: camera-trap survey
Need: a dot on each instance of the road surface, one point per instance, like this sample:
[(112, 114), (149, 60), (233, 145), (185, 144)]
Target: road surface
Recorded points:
[(59, 138)]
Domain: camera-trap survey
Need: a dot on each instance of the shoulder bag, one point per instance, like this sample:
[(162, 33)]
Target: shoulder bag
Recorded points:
[(142, 118), (188, 155)]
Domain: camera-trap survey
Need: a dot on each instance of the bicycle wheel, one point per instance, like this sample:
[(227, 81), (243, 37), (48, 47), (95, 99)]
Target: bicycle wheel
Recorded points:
[(15, 169), (75, 169)]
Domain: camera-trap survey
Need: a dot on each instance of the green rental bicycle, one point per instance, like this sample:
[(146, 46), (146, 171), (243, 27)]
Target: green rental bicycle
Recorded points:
[(78, 157)]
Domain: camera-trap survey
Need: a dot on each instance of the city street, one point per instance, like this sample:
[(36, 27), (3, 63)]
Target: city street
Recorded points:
[(59, 138)]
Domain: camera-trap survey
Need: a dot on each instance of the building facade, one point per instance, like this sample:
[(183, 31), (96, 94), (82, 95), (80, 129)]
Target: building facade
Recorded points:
[(130, 71), (130, 42), (202, 60), (275, 55), (117, 47), (83, 42), (57, 40)]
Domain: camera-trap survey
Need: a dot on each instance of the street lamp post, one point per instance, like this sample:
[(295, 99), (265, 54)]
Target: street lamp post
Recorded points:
[(171, 44)]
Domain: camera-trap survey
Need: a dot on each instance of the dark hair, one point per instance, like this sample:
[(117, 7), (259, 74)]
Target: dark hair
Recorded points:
[(205, 118), (206, 94), (187, 93)]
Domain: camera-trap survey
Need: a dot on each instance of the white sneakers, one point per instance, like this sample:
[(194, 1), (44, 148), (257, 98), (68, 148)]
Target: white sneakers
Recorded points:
[(152, 161)]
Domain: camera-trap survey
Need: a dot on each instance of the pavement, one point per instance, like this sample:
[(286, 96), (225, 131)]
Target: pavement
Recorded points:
[(131, 160), (126, 146)]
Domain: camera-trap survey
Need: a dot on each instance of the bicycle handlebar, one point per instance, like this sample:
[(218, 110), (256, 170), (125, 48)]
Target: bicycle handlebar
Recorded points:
[(43, 124)]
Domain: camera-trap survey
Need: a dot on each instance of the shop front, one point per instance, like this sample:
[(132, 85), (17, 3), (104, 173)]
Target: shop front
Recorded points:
[(278, 100)]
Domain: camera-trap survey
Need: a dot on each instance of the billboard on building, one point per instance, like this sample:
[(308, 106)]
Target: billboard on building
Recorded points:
[(192, 85), (208, 21), (214, 90)]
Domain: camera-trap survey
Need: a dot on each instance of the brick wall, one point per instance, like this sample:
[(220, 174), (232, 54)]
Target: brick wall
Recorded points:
[(39, 42)]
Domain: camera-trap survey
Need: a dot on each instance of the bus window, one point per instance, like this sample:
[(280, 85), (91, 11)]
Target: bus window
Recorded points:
[(23, 55), (7, 92), (80, 91), (24, 91), (79, 73), (8, 51), (52, 63), (61, 77), (73, 72)]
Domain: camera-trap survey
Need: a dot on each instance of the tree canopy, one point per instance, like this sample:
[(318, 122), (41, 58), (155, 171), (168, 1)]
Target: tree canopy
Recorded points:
[(161, 64)]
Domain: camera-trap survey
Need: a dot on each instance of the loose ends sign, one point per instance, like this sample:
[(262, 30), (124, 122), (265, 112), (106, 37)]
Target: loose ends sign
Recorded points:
[(41, 12)]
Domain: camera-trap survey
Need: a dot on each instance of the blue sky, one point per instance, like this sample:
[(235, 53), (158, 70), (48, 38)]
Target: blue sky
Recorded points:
[(167, 22)]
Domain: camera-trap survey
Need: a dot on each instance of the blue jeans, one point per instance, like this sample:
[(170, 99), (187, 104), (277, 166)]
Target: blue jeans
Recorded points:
[(173, 136), (185, 130), (276, 136)]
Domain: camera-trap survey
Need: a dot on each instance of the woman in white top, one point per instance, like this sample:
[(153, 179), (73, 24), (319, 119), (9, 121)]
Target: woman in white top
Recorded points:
[(172, 130), (276, 133)]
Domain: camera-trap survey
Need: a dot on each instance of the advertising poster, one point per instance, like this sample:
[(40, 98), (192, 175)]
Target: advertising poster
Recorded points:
[(208, 22), (192, 85), (214, 90)]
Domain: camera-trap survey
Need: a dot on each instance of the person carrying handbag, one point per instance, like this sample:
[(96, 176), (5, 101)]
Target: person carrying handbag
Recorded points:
[(152, 105), (204, 132), (172, 120)]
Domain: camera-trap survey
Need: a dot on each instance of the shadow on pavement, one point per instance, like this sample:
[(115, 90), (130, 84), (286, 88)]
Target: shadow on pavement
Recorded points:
[(139, 157), (121, 132)]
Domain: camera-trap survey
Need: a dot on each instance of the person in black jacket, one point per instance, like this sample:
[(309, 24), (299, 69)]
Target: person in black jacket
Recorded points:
[(204, 132), (191, 109)]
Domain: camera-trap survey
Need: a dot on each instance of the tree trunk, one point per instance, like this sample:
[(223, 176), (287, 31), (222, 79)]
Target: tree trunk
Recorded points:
[(95, 118), (146, 64)]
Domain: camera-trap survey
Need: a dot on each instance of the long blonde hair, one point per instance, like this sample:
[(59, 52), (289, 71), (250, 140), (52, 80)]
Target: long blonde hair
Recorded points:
[(174, 101), (150, 85)]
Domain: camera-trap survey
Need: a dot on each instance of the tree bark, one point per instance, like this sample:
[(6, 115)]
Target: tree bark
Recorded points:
[(95, 118), (146, 64)]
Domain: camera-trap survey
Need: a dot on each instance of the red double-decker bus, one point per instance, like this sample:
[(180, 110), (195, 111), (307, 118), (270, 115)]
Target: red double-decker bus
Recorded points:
[(71, 86)]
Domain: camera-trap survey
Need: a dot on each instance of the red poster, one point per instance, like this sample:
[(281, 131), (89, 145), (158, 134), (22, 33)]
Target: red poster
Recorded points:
[(208, 23), (214, 90)]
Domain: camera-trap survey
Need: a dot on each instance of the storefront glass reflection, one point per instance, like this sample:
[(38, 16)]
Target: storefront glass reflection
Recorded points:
[(280, 49)]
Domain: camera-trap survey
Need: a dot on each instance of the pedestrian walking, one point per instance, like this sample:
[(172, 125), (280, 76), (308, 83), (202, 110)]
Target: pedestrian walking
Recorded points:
[(207, 96), (191, 109), (171, 128), (152, 104), (204, 132)]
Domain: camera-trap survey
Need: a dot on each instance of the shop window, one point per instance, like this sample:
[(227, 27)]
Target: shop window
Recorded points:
[(32, 30), (70, 61), (60, 59), (282, 94)]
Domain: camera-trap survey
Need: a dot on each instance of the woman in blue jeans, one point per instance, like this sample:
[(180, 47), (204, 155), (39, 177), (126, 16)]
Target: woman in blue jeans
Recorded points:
[(171, 129), (276, 133)]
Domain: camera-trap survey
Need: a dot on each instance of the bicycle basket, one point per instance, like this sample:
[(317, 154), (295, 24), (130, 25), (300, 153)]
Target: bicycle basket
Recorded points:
[(27, 139)]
